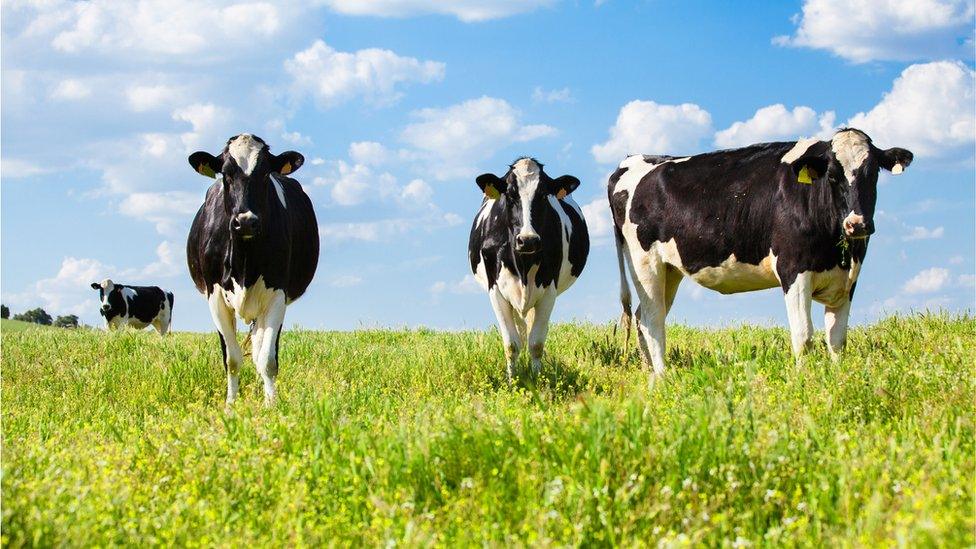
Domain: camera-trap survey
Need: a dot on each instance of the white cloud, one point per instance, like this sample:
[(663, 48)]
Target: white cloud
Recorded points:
[(369, 153), (345, 281), (967, 280), (467, 285), (776, 123), (164, 209), (465, 10), (899, 30), (70, 90), (143, 98), (562, 95), (416, 193), (11, 168), (154, 28), (169, 262), (923, 233), (455, 139), (930, 110), (650, 128), (384, 229), (333, 77), (928, 281), (205, 119), (599, 222)]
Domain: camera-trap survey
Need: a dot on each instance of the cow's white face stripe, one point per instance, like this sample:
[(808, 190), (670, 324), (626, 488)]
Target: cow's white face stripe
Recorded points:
[(527, 178), (279, 190), (244, 149), (851, 149)]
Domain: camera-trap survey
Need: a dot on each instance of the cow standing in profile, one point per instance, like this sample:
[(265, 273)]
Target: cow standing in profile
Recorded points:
[(135, 306), (528, 244), (253, 249), (795, 215)]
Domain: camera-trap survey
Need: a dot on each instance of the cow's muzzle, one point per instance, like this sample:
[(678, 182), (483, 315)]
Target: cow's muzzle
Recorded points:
[(855, 226), (527, 244), (246, 225)]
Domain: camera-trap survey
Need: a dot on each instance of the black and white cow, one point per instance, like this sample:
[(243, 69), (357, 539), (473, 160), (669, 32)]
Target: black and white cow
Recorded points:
[(528, 244), (253, 249), (795, 215), (136, 306)]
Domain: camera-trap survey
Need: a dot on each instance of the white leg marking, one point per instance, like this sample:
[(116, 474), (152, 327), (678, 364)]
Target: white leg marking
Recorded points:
[(650, 285), (835, 321), (540, 329), (507, 326), (798, 301), (265, 354), (223, 318)]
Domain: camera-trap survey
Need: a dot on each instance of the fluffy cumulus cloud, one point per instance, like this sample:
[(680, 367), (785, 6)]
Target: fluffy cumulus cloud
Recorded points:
[(562, 95), (647, 127), (775, 123), (599, 221), (333, 77), (70, 89), (154, 28), (928, 281), (452, 141), (465, 10), (169, 211), (923, 233), (900, 30), (931, 110)]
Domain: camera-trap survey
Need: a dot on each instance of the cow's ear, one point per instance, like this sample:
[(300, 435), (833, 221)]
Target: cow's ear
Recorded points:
[(808, 169), (563, 185), (206, 164), (895, 160), (287, 162), (492, 185), (96, 286)]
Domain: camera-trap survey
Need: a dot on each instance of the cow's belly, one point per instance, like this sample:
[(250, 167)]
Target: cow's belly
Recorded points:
[(733, 276), (522, 297), (251, 302)]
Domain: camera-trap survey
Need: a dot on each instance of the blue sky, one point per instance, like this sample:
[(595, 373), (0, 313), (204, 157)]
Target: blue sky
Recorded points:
[(397, 105)]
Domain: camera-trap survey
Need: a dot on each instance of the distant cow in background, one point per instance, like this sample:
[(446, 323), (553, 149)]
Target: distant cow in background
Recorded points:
[(136, 306), (528, 244), (253, 249), (795, 215)]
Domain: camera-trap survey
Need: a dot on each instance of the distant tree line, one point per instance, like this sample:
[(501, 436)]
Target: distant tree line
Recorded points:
[(40, 316)]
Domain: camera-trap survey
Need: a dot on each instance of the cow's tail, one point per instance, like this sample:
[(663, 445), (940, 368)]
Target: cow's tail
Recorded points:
[(625, 315)]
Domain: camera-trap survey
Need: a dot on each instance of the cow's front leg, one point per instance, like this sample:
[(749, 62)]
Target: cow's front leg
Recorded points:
[(540, 329), (509, 331), (835, 321), (799, 298), (267, 330), (223, 317)]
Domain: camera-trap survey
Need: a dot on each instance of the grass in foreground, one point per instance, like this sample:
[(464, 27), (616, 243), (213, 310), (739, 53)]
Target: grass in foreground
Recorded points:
[(413, 437)]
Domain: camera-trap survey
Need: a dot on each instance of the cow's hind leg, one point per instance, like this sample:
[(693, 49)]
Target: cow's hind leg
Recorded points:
[(539, 329), (835, 321), (799, 298), (267, 330), (223, 317), (651, 286), (508, 327)]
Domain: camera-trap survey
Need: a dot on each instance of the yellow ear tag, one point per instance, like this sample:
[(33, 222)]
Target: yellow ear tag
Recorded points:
[(491, 192), (561, 194), (286, 169), (207, 171), (897, 169), (806, 175)]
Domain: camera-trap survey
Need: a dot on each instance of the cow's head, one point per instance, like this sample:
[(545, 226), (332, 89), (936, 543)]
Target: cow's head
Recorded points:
[(110, 296), (850, 163), (246, 165), (525, 191)]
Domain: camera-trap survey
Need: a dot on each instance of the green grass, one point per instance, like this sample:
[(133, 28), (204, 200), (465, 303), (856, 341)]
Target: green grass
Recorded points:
[(413, 437), (10, 325)]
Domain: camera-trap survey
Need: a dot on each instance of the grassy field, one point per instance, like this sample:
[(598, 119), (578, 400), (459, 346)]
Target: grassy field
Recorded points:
[(413, 437)]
